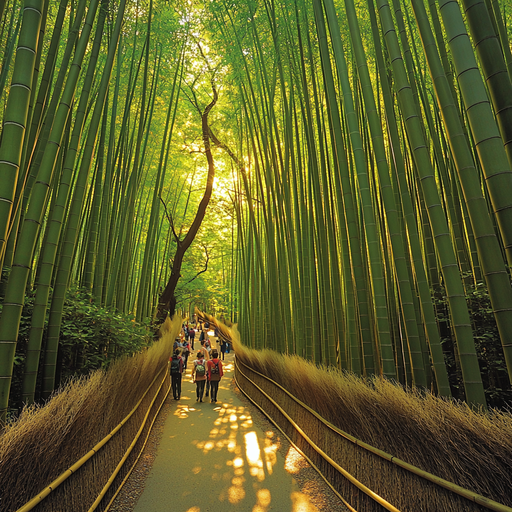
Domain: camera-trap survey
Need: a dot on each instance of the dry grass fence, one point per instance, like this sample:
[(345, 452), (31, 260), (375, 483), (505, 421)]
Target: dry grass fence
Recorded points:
[(46, 440), (445, 438)]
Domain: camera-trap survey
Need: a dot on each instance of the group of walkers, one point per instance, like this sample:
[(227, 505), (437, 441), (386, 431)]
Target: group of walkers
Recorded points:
[(207, 369)]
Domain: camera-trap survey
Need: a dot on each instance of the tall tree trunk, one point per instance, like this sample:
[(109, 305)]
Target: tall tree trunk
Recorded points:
[(167, 302)]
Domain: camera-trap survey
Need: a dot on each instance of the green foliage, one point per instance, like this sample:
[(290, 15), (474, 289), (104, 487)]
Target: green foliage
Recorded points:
[(91, 337), (488, 347)]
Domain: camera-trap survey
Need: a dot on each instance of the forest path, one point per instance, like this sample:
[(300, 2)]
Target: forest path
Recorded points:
[(227, 457)]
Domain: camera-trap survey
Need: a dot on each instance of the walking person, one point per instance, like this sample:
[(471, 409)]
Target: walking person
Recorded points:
[(208, 345), (191, 336), (223, 348), (185, 352), (199, 375), (215, 373), (206, 356), (176, 371)]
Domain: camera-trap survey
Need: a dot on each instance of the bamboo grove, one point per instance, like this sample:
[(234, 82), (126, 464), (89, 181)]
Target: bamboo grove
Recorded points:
[(363, 189), (377, 146), (86, 165)]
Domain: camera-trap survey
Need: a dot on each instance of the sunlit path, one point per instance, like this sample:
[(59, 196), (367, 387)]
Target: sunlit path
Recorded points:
[(215, 457)]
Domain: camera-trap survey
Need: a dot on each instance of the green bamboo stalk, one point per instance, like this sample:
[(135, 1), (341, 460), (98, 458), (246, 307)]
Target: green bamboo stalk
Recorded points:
[(391, 211), (368, 213), (57, 217), (65, 263), (33, 166), (455, 291), (13, 133), (427, 310), (15, 292), (40, 104), (149, 254), (490, 55), (342, 184), (493, 267), (15, 119), (12, 37), (137, 166), (487, 139), (502, 32), (13, 229)]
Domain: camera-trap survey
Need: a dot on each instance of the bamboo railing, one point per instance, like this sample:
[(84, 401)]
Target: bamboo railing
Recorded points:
[(79, 474), (365, 478)]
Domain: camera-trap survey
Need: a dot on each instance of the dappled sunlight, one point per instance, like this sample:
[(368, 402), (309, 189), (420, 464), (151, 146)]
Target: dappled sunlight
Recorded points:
[(242, 481), (294, 461), (312, 487), (228, 367), (264, 498), (270, 451), (236, 463), (193, 509), (208, 446), (238, 480), (236, 494), (301, 503), (182, 411), (253, 455), (247, 421)]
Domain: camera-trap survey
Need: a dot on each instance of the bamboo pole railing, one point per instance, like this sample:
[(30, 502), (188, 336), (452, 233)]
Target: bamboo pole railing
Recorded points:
[(326, 430), (77, 465)]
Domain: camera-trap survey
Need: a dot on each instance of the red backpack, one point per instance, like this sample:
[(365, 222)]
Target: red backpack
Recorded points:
[(215, 370)]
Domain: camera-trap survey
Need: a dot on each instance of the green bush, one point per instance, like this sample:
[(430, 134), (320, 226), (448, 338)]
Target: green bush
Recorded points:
[(91, 338), (488, 347)]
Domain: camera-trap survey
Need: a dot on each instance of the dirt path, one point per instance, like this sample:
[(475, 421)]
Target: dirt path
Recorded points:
[(226, 457)]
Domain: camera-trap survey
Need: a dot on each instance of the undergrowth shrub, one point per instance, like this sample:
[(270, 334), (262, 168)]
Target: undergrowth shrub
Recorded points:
[(91, 338), (488, 346)]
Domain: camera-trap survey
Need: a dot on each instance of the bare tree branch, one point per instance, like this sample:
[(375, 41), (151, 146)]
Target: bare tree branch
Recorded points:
[(192, 100), (205, 266), (171, 223)]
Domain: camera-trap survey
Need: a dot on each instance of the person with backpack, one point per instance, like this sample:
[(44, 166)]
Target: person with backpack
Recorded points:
[(199, 375), (215, 373), (176, 371)]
